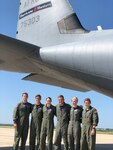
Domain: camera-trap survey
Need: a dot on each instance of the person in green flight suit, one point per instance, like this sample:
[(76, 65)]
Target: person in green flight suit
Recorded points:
[(36, 122), (21, 122), (49, 111), (62, 113), (74, 128), (90, 120)]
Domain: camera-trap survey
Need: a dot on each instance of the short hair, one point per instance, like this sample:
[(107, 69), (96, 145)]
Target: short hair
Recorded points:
[(25, 94), (38, 95), (61, 96), (87, 99), (76, 98), (49, 98)]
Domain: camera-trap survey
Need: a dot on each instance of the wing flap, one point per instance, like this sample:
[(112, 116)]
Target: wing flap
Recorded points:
[(52, 81)]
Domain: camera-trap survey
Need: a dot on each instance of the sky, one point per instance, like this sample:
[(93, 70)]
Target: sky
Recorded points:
[(91, 14)]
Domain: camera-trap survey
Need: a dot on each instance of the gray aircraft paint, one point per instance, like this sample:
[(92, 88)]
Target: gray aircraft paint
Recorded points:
[(55, 48), (92, 53), (45, 32)]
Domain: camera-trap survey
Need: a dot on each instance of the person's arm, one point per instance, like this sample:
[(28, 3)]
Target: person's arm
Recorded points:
[(31, 108), (69, 112), (95, 121), (95, 118), (15, 116), (56, 110), (81, 114)]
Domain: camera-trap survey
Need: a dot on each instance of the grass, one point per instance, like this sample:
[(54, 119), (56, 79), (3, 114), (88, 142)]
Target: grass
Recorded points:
[(6, 126), (105, 132), (98, 131)]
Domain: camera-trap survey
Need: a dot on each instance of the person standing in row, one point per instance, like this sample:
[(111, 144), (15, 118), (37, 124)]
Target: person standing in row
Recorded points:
[(62, 113), (74, 128), (36, 122), (21, 122), (49, 111), (90, 120)]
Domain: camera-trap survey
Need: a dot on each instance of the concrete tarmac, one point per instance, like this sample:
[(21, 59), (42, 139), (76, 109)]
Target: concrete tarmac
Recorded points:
[(103, 141)]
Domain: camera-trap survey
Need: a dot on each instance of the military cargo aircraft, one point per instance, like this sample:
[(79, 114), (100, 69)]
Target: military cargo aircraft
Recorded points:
[(54, 48)]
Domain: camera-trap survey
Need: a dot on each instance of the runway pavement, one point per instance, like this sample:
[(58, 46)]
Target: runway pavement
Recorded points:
[(103, 141)]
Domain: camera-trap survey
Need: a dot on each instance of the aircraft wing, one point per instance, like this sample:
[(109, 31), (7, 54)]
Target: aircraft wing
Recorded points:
[(19, 56), (14, 55), (41, 78)]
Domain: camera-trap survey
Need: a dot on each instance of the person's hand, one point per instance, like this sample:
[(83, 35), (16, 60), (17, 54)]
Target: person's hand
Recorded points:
[(93, 131), (15, 125)]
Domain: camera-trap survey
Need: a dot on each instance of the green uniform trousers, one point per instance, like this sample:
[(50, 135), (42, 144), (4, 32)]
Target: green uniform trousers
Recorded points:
[(45, 131), (87, 140), (35, 126), (47, 127), (74, 134), (61, 133), (35, 136), (21, 132)]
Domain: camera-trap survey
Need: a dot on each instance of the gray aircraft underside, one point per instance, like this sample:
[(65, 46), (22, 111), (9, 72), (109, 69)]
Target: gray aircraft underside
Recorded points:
[(54, 48)]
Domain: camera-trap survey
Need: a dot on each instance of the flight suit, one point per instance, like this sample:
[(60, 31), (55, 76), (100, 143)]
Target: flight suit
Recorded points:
[(47, 127), (89, 118), (35, 126), (74, 128), (62, 113), (21, 118)]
